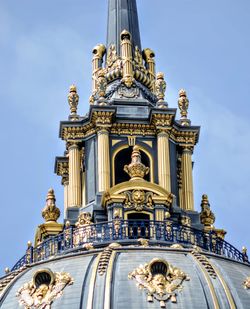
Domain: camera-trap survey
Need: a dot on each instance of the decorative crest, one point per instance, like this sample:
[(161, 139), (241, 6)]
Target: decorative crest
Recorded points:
[(183, 104), (43, 289), (136, 169), (50, 211), (207, 217), (160, 280), (138, 199), (73, 99)]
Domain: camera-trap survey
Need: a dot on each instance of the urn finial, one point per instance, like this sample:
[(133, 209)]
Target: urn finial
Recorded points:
[(73, 99), (136, 169), (50, 211)]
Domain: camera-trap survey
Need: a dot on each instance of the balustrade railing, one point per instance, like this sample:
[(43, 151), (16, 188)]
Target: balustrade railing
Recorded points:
[(166, 233)]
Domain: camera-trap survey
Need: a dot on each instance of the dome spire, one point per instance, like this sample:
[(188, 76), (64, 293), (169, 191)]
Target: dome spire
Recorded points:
[(122, 15)]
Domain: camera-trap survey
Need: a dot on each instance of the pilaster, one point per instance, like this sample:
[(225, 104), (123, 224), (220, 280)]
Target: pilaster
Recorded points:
[(187, 178), (74, 188)]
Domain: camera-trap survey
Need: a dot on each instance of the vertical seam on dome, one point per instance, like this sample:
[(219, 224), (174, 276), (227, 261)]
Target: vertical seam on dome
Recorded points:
[(209, 282), (108, 281), (92, 283), (225, 287)]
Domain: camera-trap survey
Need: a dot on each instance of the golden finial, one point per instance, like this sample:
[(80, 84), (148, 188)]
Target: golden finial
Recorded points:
[(29, 244), (73, 99), (244, 250), (136, 169), (183, 104), (67, 224), (167, 215), (207, 217), (50, 211), (7, 270), (160, 89)]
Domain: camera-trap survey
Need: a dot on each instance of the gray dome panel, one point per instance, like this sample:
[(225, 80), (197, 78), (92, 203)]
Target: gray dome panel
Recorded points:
[(91, 290)]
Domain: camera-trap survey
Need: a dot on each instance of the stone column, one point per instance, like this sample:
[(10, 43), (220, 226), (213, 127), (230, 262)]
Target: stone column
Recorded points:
[(187, 179), (103, 160), (126, 53), (74, 189), (98, 53), (163, 160), (148, 56)]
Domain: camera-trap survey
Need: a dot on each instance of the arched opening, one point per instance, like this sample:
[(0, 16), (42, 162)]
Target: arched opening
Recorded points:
[(123, 157), (138, 225)]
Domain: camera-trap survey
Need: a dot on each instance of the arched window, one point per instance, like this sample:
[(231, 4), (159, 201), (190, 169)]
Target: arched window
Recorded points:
[(123, 157)]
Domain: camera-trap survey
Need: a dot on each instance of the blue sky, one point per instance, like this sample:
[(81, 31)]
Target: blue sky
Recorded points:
[(45, 46)]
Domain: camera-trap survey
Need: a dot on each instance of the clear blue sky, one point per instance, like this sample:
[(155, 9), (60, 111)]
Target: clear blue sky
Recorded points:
[(202, 46)]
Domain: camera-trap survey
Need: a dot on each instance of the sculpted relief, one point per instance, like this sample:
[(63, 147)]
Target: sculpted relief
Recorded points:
[(160, 280), (43, 289)]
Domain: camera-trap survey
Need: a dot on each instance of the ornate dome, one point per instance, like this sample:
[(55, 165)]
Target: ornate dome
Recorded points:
[(108, 277), (131, 237)]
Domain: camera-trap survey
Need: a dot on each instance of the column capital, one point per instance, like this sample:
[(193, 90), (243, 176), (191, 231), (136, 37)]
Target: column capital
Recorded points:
[(164, 132), (162, 120), (72, 144), (103, 130), (187, 149)]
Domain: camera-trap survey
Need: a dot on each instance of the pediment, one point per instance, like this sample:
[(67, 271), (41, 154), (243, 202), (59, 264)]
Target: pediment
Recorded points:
[(119, 192)]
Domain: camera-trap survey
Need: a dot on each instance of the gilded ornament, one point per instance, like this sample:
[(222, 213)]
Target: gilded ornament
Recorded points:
[(246, 283), (111, 56), (148, 55), (176, 246), (43, 289), (136, 169), (183, 104), (99, 51), (185, 220), (244, 250), (128, 81), (138, 199), (204, 261), (84, 218), (73, 99), (7, 270), (50, 211), (102, 119), (139, 60), (207, 217), (220, 233), (84, 230), (88, 246), (129, 93), (143, 242), (105, 257), (167, 215), (160, 89), (101, 86), (160, 280)]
